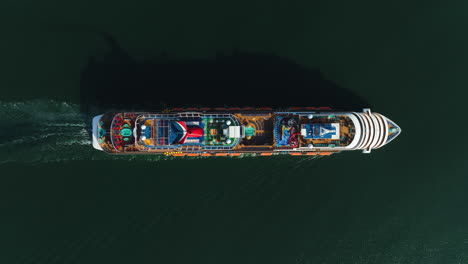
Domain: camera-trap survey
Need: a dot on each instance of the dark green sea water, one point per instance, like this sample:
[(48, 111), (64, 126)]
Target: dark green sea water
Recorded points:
[(63, 202)]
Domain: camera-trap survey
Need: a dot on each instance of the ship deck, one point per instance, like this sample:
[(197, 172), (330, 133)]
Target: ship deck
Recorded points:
[(258, 130), (239, 132), (344, 137)]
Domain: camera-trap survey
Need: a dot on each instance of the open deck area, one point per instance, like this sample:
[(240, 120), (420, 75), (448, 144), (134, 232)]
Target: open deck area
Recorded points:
[(326, 131), (258, 131)]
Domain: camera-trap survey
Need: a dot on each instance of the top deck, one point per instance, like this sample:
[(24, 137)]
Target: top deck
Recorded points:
[(172, 131), (314, 130), (212, 132)]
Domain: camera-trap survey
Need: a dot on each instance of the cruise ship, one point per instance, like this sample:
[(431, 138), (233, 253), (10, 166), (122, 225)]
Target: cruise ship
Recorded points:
[(242, 131)]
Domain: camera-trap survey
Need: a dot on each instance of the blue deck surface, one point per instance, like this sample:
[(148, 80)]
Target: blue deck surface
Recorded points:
[(319, 131)]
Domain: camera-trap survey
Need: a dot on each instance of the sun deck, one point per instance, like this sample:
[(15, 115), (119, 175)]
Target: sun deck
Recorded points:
[(312, 131), (194, 130), (240, 131), (257, 131), (121, 132), (327, 131)]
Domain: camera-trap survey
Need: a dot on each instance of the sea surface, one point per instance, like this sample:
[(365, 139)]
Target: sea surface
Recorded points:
[(63, 62)]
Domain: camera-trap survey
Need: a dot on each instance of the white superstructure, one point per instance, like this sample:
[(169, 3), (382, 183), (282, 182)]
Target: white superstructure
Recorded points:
[(373, 130)]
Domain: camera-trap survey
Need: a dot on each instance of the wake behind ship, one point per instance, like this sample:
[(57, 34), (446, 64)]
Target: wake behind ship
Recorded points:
[(235, 131)]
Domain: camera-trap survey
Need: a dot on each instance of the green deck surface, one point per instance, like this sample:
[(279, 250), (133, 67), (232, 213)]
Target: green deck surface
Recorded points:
[(216, 139)]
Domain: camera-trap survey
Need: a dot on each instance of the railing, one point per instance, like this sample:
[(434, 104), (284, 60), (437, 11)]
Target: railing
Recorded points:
[(191, 148), (190, 115), (217, 148)]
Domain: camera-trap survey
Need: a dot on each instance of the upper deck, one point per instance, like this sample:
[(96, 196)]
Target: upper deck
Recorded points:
[(313, 130), (199, 132), (189, 131)]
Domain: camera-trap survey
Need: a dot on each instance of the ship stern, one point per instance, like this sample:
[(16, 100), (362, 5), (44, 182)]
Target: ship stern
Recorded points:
[(96, 144)]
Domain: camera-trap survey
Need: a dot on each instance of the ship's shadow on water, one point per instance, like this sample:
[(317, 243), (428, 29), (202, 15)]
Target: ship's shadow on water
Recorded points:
[(117, 81)]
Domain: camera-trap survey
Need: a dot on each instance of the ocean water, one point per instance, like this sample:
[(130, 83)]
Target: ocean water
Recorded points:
[(45, 131), (63, 202)]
